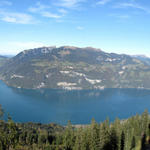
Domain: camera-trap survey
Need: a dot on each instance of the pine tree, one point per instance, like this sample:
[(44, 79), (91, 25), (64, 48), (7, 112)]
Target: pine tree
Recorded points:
[(149, 132), (143, 142), (133, 144), (12, 136), (85, 139), (78, 141), (94, 136), (144, 121), (69, 137), (113, 139), (122, 141), (104, 134), (1, 112)]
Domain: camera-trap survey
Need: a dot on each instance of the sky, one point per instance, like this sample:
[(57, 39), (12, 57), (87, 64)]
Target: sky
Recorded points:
[(119, 26)]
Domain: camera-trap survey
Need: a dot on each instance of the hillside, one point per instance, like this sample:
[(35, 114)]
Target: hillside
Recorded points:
[(3, 60), (143, 58), (74, 68)]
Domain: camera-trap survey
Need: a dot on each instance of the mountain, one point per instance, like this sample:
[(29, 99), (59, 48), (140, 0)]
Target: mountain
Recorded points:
[(74, 68), (3, 60), (143, 58)]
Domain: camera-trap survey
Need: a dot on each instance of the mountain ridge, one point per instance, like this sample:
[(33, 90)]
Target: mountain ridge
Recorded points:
[(74, 68), (143, 58)]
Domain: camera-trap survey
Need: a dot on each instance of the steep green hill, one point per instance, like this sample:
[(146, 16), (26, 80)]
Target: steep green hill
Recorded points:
[(74, 68)]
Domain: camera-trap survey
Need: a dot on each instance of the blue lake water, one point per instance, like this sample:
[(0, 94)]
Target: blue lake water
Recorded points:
[(79, 107)]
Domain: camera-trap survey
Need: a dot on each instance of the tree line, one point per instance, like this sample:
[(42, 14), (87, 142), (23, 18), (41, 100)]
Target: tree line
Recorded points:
[(129, 134)]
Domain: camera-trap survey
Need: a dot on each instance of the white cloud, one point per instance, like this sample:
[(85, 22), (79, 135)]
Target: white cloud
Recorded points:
[(69, 3), (18, 18), (43, 11), (132, 5), (120, 16), (3, 2), (63, 11), (49, 15), (38, 7), (80, 28), (15, 47), (103, 2)]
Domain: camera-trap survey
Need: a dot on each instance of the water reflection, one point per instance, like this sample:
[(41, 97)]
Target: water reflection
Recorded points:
[(80, 107)]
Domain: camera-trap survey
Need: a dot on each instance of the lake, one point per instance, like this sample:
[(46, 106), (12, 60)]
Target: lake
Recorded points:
[(59, 106)]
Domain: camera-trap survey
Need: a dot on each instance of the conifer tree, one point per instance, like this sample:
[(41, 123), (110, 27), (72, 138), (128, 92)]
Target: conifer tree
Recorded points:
[(78, 141), (133, 144), (113, 139), (122, 143), (69, 137), (1, 111), (104, 134), (12, 136), (143, 142), (85, 138), (94, 136), (144, 121)]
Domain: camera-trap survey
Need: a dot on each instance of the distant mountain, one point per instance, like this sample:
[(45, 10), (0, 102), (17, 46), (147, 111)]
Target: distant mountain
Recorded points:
[(74, 68), (9, 56), (143, 58), (2, 56), (3, 60)]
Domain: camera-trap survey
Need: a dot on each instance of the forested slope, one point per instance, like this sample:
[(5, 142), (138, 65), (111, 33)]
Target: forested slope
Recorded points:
[(130, 134)]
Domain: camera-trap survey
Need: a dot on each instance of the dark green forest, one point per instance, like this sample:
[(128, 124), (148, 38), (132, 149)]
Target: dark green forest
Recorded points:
[(129, 134)]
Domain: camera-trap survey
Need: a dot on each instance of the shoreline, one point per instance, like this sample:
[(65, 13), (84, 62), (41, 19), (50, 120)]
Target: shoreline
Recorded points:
[(22, 88)]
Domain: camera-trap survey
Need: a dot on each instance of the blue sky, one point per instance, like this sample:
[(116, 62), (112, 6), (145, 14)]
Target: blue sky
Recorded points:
[(120, 26)]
